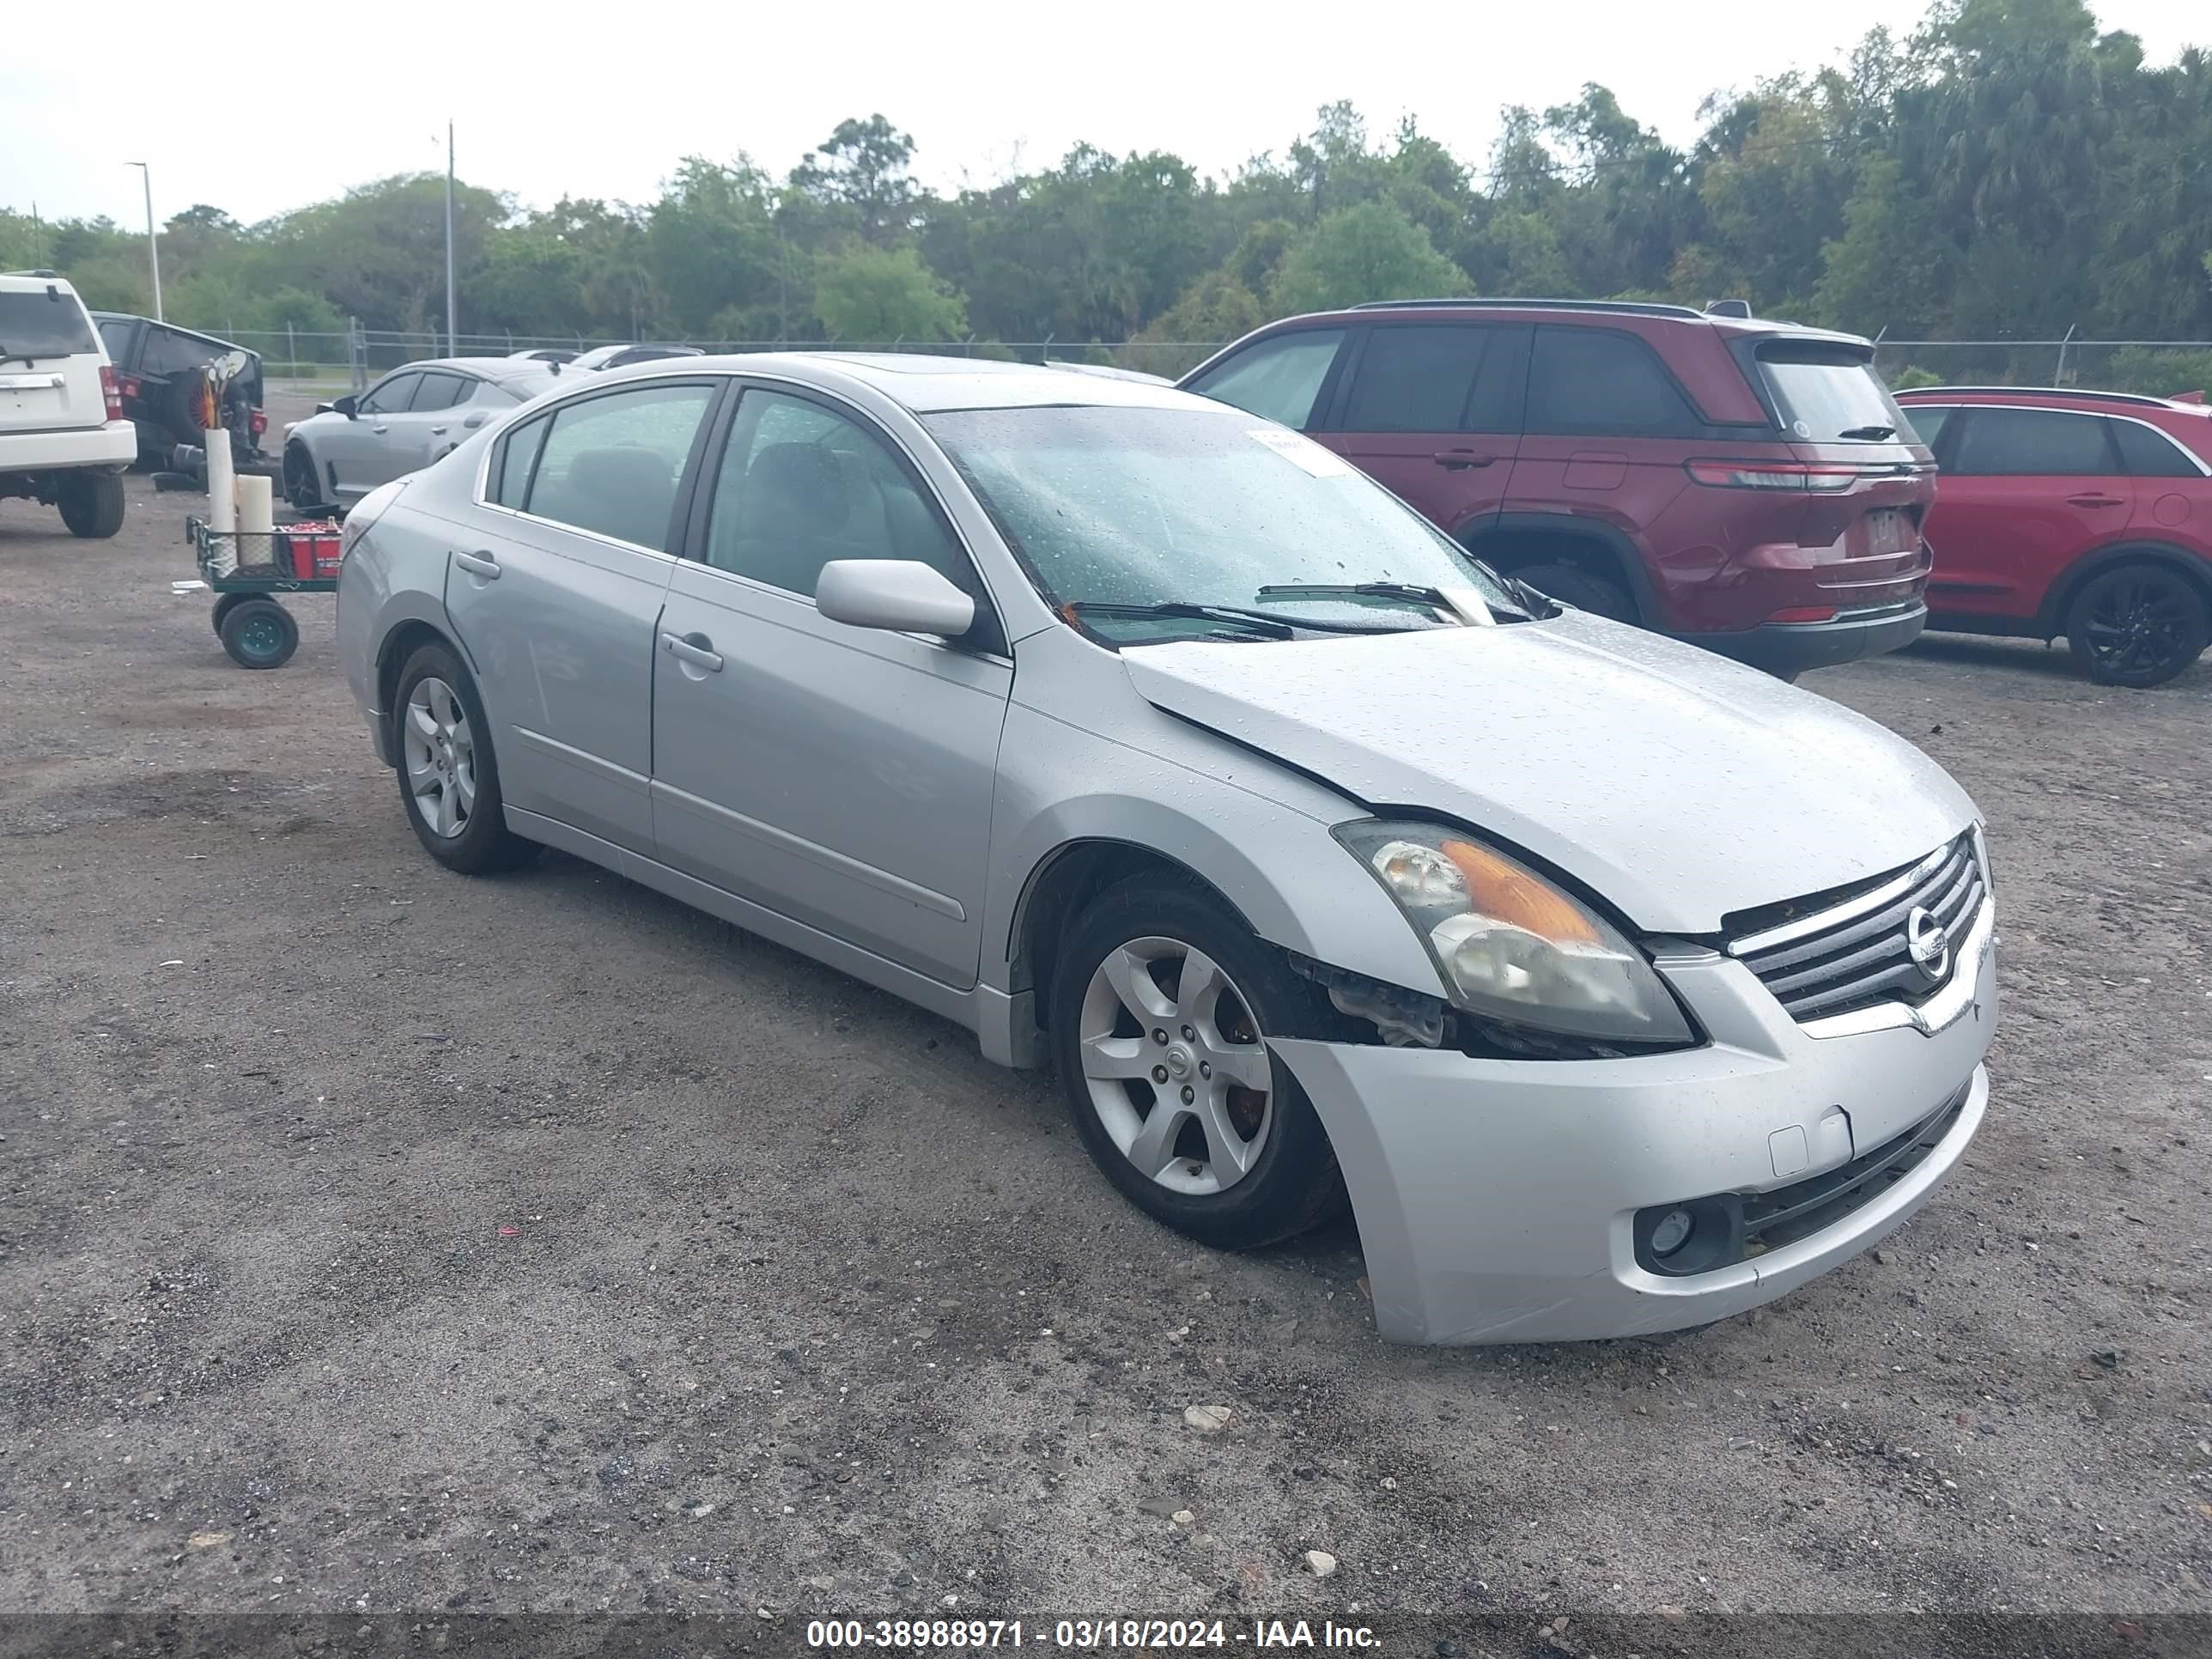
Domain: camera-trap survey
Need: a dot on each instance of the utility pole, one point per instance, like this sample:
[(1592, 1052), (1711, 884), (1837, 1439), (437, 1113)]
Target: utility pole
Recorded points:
[(452, 309), (153, 247)]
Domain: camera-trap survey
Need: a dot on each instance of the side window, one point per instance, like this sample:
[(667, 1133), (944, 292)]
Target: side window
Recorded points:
[(388, 397), (2149, 455), (1277, 379), (517, 454), (800, 485), (611, 465), (1927, 420), (1423, 379), (1595, 382), (438, 391), (2012, 443)]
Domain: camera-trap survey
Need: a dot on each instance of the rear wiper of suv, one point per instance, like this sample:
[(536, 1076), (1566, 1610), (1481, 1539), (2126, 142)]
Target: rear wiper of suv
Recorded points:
[(1259, 623), (1875, 433)]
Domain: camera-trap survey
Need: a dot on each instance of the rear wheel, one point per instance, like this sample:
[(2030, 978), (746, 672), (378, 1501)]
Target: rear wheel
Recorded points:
[(2137, 625), (448, 777), (91, 503), (1584, 589), (1162, 1003)]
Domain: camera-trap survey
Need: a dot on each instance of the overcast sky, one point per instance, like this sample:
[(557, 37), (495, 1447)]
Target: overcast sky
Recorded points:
[(561, 97)]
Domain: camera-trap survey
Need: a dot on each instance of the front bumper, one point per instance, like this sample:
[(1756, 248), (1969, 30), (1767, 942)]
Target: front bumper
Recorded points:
[(1496, 1199), (112, 447), (1792, 648)]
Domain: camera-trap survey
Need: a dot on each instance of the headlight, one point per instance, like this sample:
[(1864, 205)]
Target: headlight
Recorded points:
[(1510, 945)]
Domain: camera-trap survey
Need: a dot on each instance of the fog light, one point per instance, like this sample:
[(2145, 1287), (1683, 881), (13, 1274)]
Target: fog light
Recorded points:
[(1672, 1233)]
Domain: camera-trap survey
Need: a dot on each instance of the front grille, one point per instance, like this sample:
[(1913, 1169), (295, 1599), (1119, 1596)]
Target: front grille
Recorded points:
[(1732, 1227), (1854, 953)]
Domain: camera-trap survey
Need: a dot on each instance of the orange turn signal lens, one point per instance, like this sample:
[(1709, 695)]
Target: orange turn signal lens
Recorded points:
[(1508, 894)]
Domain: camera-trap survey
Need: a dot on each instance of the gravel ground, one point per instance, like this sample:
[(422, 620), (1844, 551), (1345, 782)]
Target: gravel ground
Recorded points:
[(372, 1238)]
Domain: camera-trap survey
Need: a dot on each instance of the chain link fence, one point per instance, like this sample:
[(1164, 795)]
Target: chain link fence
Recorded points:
[(2160, 367)]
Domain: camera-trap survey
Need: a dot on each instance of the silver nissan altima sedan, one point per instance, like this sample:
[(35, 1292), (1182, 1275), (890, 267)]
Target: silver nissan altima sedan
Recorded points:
[(1615, 986)]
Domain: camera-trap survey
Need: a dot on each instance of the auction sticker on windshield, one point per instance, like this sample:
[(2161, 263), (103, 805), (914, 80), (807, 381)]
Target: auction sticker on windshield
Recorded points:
[(1301, 451)]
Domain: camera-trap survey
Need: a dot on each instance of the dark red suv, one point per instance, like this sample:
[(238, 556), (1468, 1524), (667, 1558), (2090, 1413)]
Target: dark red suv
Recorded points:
[(1746, 485), (2086, 513)]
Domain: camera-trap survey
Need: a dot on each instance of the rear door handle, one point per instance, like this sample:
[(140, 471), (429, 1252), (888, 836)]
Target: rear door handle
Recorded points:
[(478, 564), (437, 432), (380, 430), (697, 655), (1456, 458), (2095, 500)]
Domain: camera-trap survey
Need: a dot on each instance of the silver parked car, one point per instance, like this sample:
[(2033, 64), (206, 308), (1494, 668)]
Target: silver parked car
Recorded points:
[(403, 422), (1618, 987)]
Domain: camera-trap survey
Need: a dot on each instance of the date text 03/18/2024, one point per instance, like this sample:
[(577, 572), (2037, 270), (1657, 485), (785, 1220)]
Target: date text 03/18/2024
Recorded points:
[(1110, 1634)]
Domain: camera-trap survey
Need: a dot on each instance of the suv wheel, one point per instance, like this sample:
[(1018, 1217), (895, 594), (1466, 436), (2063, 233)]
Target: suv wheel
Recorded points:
[(1160, 1010), (2137, 625), (91, 503), (448, 777), (1585, 590)]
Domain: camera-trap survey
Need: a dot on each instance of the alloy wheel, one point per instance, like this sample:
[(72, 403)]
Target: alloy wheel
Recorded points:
[(440, 757), (1176, 1065), (2140, 624)]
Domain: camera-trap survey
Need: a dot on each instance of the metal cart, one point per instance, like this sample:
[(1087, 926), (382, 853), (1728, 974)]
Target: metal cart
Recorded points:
[(247, 569)]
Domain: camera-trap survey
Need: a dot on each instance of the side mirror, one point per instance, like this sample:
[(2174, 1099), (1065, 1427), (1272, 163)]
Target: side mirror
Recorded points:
[(347, 406), (903, 595), (323, 408)]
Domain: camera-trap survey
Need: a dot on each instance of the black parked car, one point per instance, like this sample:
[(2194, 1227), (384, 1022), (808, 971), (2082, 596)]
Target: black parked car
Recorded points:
[(156, 371)]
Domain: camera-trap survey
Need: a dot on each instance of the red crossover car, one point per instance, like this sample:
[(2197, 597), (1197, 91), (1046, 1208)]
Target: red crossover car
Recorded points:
[(1747, 485), (2086, 513)]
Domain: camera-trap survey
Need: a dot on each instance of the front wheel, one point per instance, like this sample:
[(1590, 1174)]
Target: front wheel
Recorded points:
[(1161, 1007), (300, 485), (448, 777), (91, 503), (2137, 625), (1584, 589)]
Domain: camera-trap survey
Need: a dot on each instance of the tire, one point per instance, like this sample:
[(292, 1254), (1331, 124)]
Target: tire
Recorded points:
[(2137, 625), (302, 488), (1585, 590), (224, 604), (91, 503), (1272, 1172), (448, 775), (258, 633)]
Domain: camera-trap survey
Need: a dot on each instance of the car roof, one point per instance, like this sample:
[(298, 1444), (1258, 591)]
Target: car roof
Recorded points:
[(32, 281), (502, 369), (1594, 312), (2068, 397), (924, 384)]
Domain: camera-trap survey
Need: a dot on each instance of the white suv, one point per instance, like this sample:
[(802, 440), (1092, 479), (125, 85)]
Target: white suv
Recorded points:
[(63, 441)]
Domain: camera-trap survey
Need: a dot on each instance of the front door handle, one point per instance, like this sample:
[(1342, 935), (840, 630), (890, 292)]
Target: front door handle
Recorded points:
[(1456, 458), (2095, 500), (478, 564), (697, 655)]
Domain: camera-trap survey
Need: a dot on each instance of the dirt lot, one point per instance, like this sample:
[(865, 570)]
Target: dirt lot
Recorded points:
[(375, 1238)]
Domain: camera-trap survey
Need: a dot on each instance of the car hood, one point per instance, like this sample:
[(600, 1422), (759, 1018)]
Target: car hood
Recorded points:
[(1677, 785)]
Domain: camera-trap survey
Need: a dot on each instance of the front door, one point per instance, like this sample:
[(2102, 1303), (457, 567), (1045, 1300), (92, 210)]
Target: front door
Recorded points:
[(557, 596), (2023, 493), (352, 452), (1432, 411), (839, 776)]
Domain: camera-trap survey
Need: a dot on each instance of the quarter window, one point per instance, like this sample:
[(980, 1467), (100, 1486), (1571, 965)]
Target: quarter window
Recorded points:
[(1277, 379), (2149, 455), (517, 454), (1599, 383), (2012, 443), (611, 465), (800, 485)]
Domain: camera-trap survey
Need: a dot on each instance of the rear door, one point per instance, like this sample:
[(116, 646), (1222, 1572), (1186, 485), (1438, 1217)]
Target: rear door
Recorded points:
[(555, 585), (2023, 494), (1432, 411), (49, 360)]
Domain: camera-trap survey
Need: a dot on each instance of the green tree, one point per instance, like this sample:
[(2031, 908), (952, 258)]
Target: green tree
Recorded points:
[(1367, 252), (879, 296), (863, 168)]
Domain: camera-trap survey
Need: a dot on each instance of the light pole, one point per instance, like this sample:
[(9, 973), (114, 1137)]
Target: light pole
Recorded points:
[(153, 248), (452, 310)]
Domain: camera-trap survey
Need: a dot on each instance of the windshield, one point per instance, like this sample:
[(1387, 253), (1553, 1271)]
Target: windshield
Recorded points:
[(1145, 507), (43, 323), (1829, 394)]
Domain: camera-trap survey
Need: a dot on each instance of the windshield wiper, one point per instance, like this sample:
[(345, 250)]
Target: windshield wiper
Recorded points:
[(1256, 622), (1411, 593), (1875, 433)]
